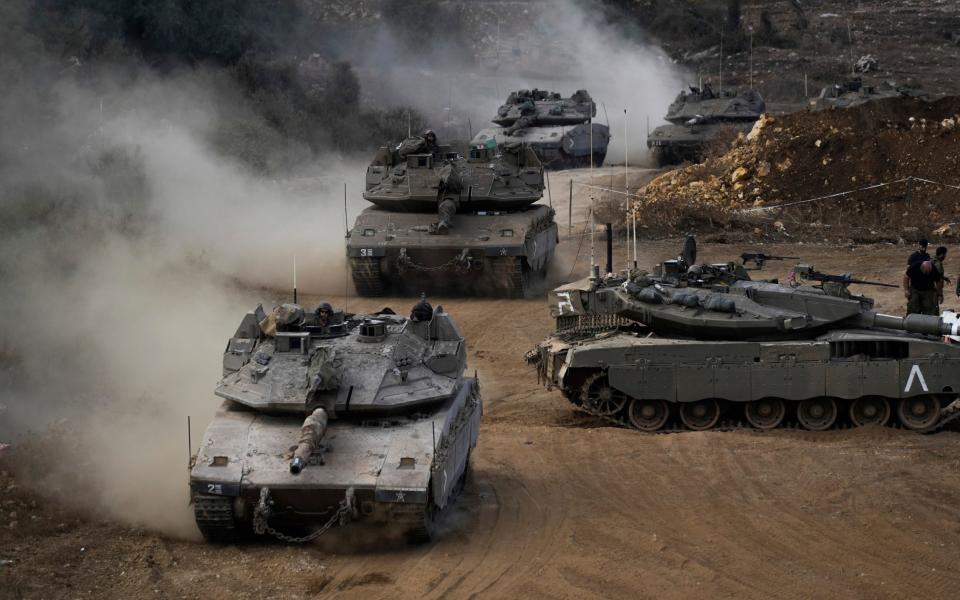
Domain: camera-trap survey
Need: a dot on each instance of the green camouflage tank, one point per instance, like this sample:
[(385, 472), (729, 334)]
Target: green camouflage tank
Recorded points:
[(329, 418), (696, 346), (445, 223), (560, 130), (699, 117)]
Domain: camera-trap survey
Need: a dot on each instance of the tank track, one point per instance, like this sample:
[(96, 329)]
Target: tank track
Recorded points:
[(510, 274), (366, 276), (216, 519), (425, 529), (949, 418)]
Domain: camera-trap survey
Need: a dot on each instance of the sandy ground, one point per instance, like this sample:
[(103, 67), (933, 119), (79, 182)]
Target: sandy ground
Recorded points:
[(561, 506)]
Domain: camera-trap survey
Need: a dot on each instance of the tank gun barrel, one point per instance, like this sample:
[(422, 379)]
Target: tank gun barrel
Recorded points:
[(913, 323), (312, 431)]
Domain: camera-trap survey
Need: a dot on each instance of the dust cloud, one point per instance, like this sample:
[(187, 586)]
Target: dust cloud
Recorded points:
[(130, 247), (129, 253), (560, 46)]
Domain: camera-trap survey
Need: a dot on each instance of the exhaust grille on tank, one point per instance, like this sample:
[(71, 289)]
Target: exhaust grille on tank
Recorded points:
[(590, 322)]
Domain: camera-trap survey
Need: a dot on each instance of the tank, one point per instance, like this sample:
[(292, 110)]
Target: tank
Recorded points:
[(854, 92), (330, 418), (560, 130), (700, 117), (442, 223), (694, 347)]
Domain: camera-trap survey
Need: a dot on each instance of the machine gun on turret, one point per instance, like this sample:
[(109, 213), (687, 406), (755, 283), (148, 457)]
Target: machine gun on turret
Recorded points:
[(759, 258), (835, 285)]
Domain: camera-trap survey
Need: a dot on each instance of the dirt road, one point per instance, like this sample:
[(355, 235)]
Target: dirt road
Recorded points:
[(562, 506)]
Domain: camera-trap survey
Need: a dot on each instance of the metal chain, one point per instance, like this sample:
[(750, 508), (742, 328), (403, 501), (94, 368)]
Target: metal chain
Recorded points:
[(410, 263), (262, 512)]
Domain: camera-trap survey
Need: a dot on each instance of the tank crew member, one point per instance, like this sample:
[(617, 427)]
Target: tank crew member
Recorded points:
[(430, 141), (921, 285), (323, 313), (920, 255), (422, 311), (938, 257)]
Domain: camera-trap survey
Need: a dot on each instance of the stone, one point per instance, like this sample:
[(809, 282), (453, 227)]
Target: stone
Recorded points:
[(739, 174)]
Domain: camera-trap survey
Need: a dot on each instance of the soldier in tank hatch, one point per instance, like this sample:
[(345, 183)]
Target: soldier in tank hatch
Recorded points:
[(430, 141), (323, 313), (922, 285), (422, 311)]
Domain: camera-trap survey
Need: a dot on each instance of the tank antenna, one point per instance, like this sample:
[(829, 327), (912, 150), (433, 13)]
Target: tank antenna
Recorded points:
[(721, 60), (626, 177), (294, 278), (346, 233), (594, 267), (591, 150), (189, 444), (609, 228)]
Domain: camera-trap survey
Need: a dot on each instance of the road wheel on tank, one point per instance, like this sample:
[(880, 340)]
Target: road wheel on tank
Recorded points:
[(817, 414), (366, 276), (870, 410), (919, 412), (700, 415), (572, 395), (599, 397), (217, 520), (765, 413), (648, 415)]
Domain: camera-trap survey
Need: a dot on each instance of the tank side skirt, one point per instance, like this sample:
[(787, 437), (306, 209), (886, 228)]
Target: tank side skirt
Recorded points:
[(679, 384)]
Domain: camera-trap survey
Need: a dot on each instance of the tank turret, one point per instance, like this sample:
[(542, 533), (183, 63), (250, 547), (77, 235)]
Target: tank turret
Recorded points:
[(854, 92), (560, 130), (331, 417), (700, 116), (699, 342)]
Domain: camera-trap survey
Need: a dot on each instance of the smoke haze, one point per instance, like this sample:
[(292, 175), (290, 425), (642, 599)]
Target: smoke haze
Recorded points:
[(560, 46), (131, 246)]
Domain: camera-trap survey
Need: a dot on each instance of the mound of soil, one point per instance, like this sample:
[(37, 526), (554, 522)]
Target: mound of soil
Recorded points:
[(808, 155)]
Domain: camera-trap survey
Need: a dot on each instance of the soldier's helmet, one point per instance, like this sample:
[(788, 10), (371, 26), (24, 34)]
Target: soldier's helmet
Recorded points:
[(429, 135), (325, 307)]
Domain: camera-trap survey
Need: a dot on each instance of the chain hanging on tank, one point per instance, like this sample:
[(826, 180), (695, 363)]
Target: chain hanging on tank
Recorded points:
[(262, 513)]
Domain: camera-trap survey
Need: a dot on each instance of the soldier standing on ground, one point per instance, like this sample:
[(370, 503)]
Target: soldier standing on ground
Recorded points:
[(922, 285), (920, 254), (939, 256)]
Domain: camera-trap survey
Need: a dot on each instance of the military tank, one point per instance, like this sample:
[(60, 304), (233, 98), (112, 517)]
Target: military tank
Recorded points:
[(854, 92), (330, 418), (694, 347), (560, 130), (444, 223), (700, 117)]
